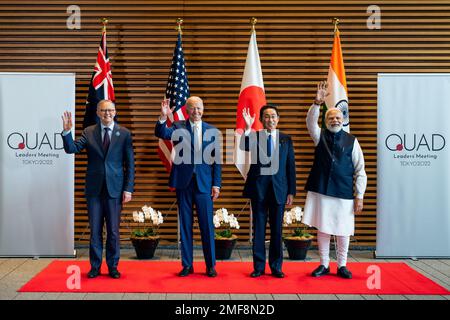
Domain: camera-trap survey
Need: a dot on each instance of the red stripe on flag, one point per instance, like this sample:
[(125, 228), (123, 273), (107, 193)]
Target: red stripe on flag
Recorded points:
[(253, 98), (166, 162)]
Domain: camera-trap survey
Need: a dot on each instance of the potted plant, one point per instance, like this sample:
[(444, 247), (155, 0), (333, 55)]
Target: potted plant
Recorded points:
[(225, 240), (299, 241), (145, 238)]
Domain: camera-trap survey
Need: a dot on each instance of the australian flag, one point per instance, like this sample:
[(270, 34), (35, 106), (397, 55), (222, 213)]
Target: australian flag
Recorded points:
[(177, 91), (101, 86)]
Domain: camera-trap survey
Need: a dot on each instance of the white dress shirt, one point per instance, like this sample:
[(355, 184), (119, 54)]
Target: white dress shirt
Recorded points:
[(111, 127)]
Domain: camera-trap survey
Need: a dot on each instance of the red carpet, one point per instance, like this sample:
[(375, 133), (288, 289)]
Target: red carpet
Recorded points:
[(160, 277)]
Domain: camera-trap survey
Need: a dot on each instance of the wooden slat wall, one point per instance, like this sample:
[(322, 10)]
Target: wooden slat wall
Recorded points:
[(295, 40)]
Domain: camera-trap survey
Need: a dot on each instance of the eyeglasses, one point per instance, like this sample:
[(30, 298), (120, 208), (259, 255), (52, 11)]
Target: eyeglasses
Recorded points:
[(108, 110)]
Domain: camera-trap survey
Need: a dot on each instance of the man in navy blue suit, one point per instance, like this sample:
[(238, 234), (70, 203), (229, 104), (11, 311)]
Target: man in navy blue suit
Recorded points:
[(196, 176), (270, 184), (109, 181)]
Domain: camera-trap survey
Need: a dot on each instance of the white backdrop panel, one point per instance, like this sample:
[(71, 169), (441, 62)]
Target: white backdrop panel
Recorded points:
[(413, 200), (37, 177)]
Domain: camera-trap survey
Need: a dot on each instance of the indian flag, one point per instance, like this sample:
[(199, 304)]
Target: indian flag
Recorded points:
[(251, 96), (337, 84)]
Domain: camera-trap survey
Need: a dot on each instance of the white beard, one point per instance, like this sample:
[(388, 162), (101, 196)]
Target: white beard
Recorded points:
[(335, 129)]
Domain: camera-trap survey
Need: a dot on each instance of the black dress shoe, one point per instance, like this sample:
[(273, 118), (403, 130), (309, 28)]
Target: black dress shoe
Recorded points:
[(93, 273), (343, 272), (186, 271), (320, 271), (211, 272), (114, 273), (256, 274), (277, 274)]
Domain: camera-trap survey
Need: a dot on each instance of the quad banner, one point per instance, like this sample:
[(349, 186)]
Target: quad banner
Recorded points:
[(413, 172), (36, 176)]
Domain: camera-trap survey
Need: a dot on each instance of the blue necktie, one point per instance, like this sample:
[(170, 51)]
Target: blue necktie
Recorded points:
[(269, 145)]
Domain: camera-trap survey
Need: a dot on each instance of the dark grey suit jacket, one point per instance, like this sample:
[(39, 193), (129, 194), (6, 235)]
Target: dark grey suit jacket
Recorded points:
[(115, 166)]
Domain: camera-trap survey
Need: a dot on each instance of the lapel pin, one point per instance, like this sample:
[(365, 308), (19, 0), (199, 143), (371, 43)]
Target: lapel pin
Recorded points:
[(117, 133)]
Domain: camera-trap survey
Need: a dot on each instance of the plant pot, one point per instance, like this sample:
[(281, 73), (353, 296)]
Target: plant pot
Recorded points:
[(297, 249), (145, 247), (224, 247)]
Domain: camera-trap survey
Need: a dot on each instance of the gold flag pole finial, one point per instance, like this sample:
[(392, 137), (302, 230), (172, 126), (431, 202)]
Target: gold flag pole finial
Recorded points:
[(253, 21), (179, 27), (335, 22), (104, 22)]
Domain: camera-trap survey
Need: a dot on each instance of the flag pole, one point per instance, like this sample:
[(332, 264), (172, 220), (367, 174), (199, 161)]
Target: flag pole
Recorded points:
[(179, 28), (253, 22), (336, 23), (336, 29), (105, 23)]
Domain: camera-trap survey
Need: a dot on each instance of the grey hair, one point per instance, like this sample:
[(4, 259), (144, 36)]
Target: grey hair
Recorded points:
[(104, 101)]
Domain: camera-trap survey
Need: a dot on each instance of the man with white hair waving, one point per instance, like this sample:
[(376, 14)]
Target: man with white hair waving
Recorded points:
[(336, 184)]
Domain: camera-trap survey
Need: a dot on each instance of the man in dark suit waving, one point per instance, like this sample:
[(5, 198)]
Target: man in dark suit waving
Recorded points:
[(109, 181), (196, 176), (270, 184)]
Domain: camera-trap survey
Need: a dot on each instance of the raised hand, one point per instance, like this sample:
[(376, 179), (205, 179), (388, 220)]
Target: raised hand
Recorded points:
[(67, 121), (322, 92), (249, 120), (166, 111)]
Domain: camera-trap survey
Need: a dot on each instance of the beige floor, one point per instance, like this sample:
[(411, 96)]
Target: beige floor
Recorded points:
[(15, 272)]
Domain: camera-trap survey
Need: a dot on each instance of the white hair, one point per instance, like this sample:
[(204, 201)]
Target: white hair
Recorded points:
[(333, 110), (191, 100)]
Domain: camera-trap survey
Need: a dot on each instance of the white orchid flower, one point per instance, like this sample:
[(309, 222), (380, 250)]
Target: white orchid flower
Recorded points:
[(135, 216), (298, 213)]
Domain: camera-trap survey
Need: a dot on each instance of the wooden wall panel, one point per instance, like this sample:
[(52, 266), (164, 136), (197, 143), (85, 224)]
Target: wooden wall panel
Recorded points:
[(295, 40)]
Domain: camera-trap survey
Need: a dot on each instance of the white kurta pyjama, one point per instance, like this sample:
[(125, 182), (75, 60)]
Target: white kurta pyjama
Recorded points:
[(330, 214)]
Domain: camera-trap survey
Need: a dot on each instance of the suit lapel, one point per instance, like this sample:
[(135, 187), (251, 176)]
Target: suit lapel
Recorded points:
[(284, 143), (98, 137), (203, 134), (280, 141), (188, 126), (191, 132)]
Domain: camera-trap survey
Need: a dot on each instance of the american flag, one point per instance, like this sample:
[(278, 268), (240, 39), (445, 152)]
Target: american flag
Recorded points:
[(177, 91), (101, 85)]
